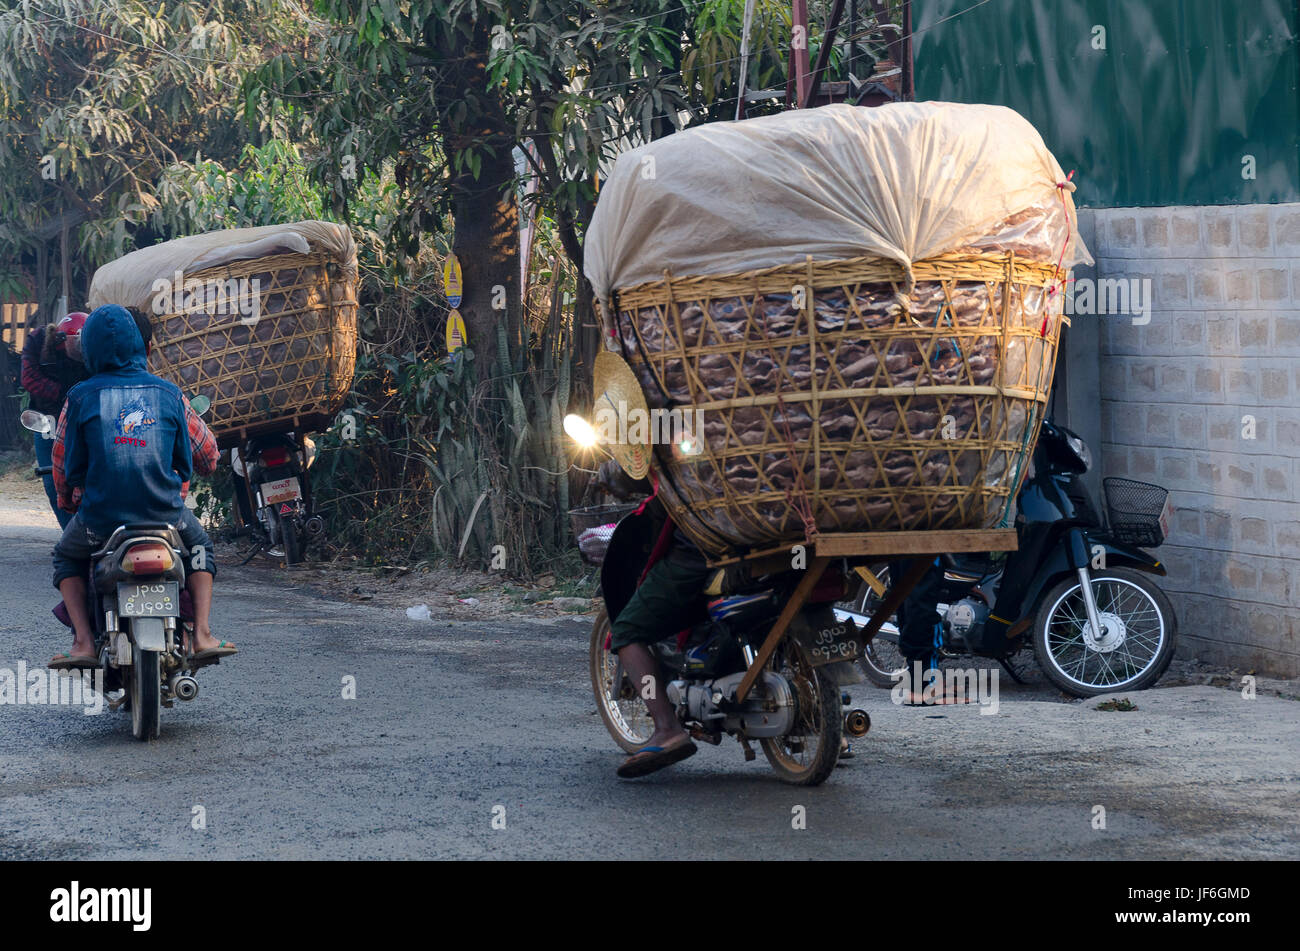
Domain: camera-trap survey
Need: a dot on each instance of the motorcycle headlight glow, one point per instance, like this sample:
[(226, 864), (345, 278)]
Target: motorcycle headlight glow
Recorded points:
[(1080, 449), (580, 431)]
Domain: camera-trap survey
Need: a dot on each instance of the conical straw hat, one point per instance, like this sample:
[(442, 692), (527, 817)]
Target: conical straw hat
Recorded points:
[(616, 390)]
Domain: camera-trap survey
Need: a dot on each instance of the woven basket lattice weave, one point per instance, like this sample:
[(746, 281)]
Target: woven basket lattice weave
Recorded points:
[(291, 368), (889, 411)]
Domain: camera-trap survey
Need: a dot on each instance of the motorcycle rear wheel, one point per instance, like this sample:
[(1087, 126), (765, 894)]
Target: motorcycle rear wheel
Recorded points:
[(621, 708), (146, 695), (292, 543), (807, 756), (1064, 644)]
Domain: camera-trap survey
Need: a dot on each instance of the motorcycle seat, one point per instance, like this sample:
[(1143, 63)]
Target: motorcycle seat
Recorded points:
[(161, 530)]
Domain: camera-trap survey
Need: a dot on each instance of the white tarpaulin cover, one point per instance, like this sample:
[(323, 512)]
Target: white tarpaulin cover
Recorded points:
[(129, 281), (905, 181)]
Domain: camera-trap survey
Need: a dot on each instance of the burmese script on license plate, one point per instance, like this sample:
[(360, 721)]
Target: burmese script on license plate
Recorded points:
[(283, 490), (830, 644), (152, 599)]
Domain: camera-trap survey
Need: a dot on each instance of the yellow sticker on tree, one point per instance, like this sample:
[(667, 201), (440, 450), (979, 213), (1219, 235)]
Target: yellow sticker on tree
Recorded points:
[(451, 281), (456, 335)]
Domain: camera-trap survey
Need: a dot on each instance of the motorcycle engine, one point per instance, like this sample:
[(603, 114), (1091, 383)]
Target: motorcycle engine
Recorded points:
[(964, 622), (765, 713)]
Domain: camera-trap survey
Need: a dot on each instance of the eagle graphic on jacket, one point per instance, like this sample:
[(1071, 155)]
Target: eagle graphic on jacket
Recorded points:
[(132, 421)]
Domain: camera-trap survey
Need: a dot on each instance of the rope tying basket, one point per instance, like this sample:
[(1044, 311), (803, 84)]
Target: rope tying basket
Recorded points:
[(830, 397), (290, 367)]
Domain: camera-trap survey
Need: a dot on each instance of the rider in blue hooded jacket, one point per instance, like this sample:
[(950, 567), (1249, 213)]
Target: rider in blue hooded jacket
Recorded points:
[(124, 440)]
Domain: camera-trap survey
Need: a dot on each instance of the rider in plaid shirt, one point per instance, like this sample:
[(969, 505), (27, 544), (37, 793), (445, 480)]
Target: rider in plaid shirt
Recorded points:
[(119, 441)]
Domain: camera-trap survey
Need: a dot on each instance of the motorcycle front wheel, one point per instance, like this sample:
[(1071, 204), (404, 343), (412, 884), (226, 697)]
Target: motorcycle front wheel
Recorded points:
[(621, 708), (1130, 652), (881, 658), (807, 755)]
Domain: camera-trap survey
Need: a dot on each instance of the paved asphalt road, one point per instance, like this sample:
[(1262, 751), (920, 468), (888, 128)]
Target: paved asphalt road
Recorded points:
[(454, 718)]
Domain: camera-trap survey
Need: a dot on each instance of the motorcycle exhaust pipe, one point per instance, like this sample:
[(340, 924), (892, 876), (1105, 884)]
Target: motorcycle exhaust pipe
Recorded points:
[(183, 686), (857, 723), (315, 525)]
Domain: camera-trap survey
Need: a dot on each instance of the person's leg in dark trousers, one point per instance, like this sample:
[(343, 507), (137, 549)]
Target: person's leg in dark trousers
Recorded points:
[(44, 459), (919, 627), (666, 602), (201, 568), (241, 499)]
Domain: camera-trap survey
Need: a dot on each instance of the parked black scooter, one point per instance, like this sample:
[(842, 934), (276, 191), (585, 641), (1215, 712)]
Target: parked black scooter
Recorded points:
[(1077, 588)]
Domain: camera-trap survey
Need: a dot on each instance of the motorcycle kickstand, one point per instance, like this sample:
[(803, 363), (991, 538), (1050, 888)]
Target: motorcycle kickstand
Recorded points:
[(750, 755), (1011, 671), (257, 550)]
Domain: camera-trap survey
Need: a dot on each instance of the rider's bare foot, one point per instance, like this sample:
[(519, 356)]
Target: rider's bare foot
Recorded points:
[(82, 646), (197, 641)]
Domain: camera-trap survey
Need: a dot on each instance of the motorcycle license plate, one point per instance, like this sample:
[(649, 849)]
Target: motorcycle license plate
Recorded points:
[(151, 599), (831, 643), (282, 490)]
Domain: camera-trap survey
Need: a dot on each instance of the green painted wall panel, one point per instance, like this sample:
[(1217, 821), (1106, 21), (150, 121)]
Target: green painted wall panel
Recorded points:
[(1164, 115)]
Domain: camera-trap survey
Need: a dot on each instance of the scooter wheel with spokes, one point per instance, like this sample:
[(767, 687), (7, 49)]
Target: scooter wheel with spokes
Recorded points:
[(807, 756), (621, 708), (1130, 652)]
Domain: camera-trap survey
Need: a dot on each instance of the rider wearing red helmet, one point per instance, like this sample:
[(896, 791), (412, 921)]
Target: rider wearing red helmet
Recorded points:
[(52, 365)]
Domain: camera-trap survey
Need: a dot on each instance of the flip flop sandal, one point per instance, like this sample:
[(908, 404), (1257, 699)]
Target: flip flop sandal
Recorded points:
[(654, 758), (211, 655), (66, 661)]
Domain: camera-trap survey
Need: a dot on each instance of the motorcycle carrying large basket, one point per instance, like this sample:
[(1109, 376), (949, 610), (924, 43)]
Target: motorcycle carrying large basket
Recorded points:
[(289, 368), (926, 402)]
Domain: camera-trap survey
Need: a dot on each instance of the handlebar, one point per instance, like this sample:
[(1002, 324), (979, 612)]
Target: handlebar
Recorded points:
[(44, 470)]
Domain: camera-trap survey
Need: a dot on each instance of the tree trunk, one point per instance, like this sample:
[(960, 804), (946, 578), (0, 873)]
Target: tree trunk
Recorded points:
[(486, 214)]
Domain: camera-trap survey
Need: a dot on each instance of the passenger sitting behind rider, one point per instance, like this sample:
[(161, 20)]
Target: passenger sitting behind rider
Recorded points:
[(124, 450)]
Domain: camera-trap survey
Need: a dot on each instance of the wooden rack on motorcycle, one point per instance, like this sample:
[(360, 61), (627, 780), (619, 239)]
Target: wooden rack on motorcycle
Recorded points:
[(862, 550)]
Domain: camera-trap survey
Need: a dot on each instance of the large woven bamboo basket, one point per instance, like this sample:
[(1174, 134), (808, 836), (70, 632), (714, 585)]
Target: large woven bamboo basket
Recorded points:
[(290, 369), (869, 408)]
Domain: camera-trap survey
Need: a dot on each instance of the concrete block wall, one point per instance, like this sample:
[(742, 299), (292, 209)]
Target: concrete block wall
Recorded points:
[(1205, 400)]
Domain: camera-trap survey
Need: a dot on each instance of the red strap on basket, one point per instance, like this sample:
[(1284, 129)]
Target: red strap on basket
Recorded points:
[(665, 539), (654, 482), (662, 544)]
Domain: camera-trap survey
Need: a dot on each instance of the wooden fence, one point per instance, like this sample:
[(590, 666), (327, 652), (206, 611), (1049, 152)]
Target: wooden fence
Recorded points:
[(13, 324), (14, 327)]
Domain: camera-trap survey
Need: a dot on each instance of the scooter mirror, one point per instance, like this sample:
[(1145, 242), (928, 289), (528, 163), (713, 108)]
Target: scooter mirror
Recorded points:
[(37, 422), (200, 404)]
